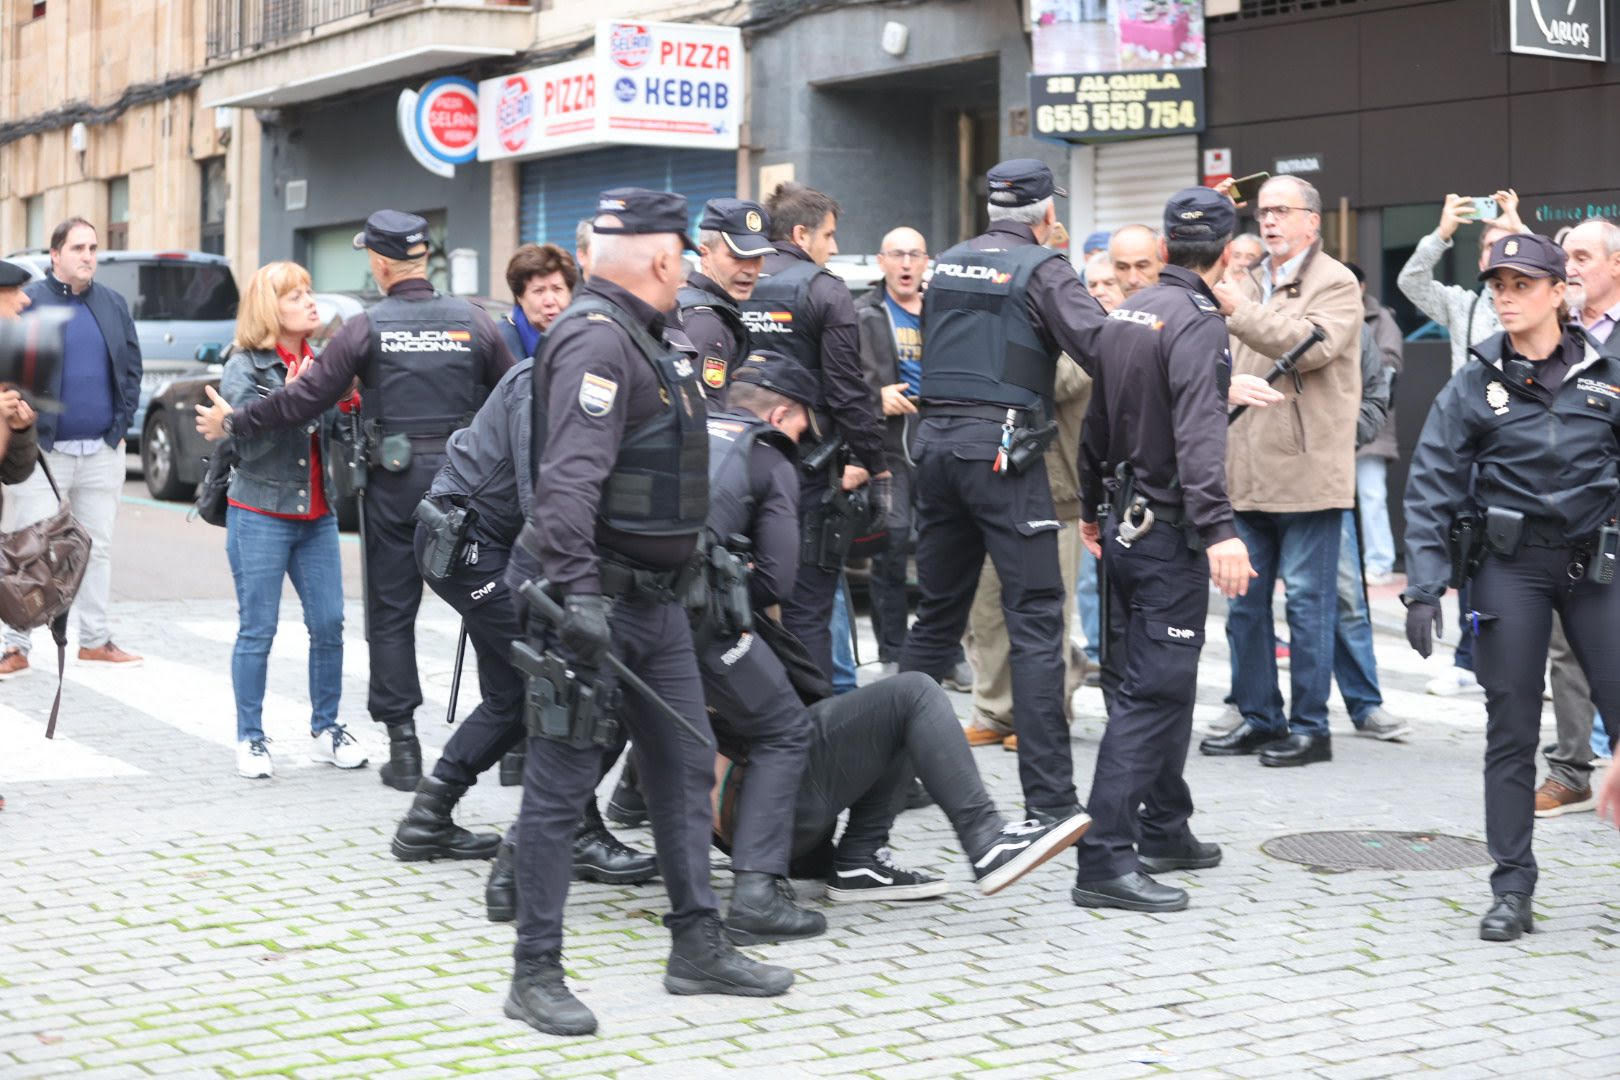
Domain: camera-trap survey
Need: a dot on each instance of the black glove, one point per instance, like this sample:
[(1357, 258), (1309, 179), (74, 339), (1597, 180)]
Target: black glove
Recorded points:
[(1423, 625), (584, 628)]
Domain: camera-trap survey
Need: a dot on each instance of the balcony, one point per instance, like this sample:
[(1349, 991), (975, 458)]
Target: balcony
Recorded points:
[(270, 53)]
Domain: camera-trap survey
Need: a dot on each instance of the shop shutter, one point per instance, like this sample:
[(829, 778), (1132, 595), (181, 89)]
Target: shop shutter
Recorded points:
[(556, 192), (1133, 179)]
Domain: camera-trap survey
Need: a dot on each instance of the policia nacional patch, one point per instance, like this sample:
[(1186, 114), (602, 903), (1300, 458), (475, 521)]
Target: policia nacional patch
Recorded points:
[(714, 372), (596, 395)]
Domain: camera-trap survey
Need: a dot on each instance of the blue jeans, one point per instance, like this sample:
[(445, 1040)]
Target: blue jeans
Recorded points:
[(1354, 665), (1372, 488), (264, 550), (1085, 597), (843, 656), (1302, 549)]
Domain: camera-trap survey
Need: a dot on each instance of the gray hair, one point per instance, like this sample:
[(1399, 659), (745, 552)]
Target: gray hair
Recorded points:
[(630, 251), (1308, 194), (1031, 215), (582, 235), (710, 238), (1607, 229)]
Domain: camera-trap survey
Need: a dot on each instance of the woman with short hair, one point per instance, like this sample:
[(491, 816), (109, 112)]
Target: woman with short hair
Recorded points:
[(542, 279)]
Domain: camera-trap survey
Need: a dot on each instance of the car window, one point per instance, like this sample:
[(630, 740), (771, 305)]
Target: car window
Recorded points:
[(172, 288)]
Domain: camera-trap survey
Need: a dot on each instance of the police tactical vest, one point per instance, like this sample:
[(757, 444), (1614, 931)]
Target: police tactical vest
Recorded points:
[(979, 342), (659, 485), (422, 374), (779, 316), (732, 438), (725, 309)]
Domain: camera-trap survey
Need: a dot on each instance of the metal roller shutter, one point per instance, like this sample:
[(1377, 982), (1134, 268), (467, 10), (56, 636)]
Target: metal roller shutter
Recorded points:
[(556, 192), (1133, 179)]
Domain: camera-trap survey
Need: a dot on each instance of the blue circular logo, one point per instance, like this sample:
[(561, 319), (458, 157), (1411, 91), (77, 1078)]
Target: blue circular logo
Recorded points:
[(625, 89)]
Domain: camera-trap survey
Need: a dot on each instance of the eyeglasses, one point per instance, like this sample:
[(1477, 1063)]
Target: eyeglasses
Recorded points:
[(1280, 211), (906, 256)]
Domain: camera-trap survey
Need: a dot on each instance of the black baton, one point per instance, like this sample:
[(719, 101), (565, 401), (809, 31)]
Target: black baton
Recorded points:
[(1285, 363), (455, 680)]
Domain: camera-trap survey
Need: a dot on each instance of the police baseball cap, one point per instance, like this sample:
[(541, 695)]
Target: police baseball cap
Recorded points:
[(1199, 213), (742, 224), (1530, 254), (12, 275), (1020, 182), (642, 211), (783, 375), (394, 235), (1097, 241)]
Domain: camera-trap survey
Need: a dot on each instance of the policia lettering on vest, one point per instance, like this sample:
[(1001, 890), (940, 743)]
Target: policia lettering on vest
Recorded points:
[(999, 311), (620, 498), (425, 362), (1519, 464)]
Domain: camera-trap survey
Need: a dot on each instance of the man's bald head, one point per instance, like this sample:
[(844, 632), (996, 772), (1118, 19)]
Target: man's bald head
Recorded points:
[(647, 265), (1135, 251), (903, 256)]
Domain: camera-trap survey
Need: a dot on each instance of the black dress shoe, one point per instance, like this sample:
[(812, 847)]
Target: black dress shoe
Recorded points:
[(1508, 918), (1133, 892), (1194, 856), (1298, 749), (1246, 738)]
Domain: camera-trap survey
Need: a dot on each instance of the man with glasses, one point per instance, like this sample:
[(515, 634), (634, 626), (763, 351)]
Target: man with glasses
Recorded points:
[(1291, 474)]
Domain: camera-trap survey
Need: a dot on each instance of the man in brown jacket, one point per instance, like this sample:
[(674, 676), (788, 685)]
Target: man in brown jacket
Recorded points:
[(1291, 474)]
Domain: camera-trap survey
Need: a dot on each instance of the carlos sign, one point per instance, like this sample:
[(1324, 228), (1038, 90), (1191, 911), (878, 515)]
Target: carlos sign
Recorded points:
[(1570, 29)]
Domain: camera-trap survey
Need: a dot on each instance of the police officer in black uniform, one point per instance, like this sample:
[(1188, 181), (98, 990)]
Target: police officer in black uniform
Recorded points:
[(1516, 480), (804, 311), (998, 312), (425, 362), (621, 493), (1162, 367), (732, 237)]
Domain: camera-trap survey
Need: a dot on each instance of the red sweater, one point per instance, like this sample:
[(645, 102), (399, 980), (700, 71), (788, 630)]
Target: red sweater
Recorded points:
[(317, 493)]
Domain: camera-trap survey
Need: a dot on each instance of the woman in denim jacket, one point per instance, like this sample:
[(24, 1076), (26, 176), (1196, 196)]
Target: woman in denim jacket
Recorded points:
[(280, 524)]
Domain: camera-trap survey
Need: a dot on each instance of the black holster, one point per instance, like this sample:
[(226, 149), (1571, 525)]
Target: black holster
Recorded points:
[(727, 612), (827, 529), (1029, 445), (562, 704), (447, 536), (1466, 542)]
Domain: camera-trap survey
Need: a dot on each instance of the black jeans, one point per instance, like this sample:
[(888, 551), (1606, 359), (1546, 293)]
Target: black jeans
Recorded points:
[(394, 587), (891, 607), (807, 611)]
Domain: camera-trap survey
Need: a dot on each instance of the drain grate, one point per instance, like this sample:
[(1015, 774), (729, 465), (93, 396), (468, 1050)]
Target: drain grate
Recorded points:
[(1378, 850)]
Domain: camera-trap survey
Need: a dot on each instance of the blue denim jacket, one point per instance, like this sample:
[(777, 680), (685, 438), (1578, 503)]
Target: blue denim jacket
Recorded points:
[(273, 474)]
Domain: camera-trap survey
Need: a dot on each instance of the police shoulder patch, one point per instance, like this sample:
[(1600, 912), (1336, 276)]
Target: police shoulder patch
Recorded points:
[(1204, 303), (714, 372), (597, 395)]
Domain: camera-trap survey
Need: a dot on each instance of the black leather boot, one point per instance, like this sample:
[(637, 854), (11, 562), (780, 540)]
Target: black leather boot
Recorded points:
[(626, 807), (500, 891), (763, 911), (1508, 918), (403, 769), (703, 961), (429, 833), (540, 998), (512, 768), (600, 856)]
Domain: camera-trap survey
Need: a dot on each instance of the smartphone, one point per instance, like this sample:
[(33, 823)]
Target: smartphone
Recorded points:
[(1486, 208), (1245, 187)]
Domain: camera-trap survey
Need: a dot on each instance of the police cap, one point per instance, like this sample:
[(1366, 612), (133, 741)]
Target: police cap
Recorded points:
[(742, 224), (394, 235), (1020, 182), (13, 275), (1199, 213), (642, 211), (778, 373), (1530, 254)]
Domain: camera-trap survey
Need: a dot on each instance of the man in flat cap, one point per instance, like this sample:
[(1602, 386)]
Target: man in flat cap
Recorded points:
[(732, 246)]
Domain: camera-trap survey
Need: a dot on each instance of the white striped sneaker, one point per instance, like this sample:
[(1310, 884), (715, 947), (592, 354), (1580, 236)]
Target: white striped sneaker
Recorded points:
[(877, 878), (1020, 847), (335, 746), (253, 759)]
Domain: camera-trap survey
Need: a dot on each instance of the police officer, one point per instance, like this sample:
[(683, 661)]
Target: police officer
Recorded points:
[(425, 362), (731, 236), (1521, 448), (804, 311), (464, 536), (999, 311), (1162, 367), (620, 497)]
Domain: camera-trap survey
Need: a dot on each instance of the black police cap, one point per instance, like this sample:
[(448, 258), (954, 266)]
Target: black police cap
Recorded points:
[(1021, 182), (13, 275), (1530, 254), (1199, 213), (394, 235), (741, 223), (642, 211), (782, 374)]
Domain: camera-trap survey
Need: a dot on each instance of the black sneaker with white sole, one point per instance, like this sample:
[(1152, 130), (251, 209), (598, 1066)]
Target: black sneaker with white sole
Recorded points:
[(875, 877), (1022, 846)]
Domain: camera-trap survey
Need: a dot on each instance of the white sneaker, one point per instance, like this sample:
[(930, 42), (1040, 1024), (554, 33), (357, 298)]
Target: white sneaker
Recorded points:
[(1229, 720), (335, 746), (1454, 681), (1376, 578), (253, 759)]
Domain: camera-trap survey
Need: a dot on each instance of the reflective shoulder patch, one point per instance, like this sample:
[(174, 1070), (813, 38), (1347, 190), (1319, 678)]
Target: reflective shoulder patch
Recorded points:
[(597, 316), (596, 395), (1204, 303), (1140, 318)]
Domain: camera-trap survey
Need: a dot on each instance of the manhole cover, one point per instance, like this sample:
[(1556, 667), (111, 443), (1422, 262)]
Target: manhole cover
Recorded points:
[(1378, 850)]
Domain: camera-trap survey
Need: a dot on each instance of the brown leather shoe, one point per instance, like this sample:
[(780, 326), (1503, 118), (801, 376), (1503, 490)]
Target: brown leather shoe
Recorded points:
[(1554, 799), (13, 663), (1010, 744), (109, 654), (982, 736)]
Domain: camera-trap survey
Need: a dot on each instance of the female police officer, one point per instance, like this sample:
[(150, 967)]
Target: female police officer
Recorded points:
[(1534, 418)]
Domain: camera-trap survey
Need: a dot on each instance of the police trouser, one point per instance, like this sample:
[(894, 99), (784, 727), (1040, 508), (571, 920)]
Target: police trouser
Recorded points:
[(964, 511), (1515, 600), (394, 586), (746, 685), (676, 773), (485, 602), (807, 611), (1159, 599)]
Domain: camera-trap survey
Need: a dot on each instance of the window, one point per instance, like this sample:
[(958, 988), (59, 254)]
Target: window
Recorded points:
[(34, 217), (117, 238), (37, 8), (172, 288), (215, 191)]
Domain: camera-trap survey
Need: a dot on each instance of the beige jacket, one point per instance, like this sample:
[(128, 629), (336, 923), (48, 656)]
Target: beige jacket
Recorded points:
[(1072, 396), (1300, 454)]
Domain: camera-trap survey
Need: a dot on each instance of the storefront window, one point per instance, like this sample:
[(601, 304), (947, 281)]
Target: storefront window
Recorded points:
[(1403, 227), (334, 265)]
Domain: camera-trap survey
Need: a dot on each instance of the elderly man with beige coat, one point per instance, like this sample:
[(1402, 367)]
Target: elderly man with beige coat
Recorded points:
[(1291, 474)]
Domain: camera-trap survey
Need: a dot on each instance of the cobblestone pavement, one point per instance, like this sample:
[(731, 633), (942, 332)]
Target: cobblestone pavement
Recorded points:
[(160, 916)]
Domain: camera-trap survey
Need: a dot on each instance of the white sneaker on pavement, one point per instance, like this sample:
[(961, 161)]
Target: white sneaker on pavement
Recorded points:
[(1229, 720), (1384, 727), (1454, 681), (253, 759), (335, 746)]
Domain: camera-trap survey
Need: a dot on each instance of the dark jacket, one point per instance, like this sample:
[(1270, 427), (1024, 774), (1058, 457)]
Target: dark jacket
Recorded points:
[(1390, 343), (22, 454), (1374, 415), (880, 366), (491, 460), (273, 473), (123, 351)]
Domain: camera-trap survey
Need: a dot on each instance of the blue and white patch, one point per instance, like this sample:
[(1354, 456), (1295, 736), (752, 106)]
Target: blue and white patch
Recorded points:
[(1595, 386), (597, 395)]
